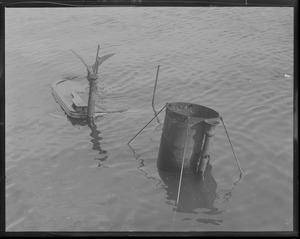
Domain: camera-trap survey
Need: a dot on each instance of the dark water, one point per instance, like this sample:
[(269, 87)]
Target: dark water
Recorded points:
[(63, 175)]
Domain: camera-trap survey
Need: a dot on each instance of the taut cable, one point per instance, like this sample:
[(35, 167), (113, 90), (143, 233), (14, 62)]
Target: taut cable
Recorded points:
[(236, 159)]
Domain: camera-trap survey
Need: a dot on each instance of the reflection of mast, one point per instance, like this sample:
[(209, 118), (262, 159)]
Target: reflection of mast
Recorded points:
[(96, 140)]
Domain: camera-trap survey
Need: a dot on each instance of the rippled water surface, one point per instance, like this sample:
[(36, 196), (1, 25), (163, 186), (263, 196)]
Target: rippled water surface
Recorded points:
[(63, 175)]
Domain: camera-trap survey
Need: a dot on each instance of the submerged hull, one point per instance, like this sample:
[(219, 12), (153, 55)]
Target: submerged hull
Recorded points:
[(62, 92), (66, 92)]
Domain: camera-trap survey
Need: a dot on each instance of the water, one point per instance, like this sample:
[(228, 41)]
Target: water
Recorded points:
[(63, 175)]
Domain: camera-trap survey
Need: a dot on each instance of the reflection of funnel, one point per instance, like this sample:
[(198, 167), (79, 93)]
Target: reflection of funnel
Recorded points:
[(184, 119), (195, 193)]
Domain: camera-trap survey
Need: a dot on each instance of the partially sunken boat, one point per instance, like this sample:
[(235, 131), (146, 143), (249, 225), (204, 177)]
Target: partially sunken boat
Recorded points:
[(70, 98), (77, 100)]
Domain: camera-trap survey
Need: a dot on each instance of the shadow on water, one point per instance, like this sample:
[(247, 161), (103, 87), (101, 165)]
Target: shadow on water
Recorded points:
[(96, 138), (195, 193)]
